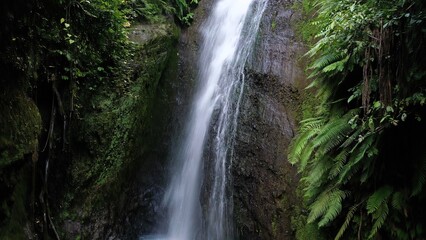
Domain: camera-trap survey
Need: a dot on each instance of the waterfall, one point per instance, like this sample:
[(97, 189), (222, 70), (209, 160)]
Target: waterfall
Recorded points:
[(228, 37)]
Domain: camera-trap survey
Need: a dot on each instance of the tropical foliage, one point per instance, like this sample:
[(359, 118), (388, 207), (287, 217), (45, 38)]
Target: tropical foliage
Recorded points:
[(151, 9), (53, 51), (361, 153)]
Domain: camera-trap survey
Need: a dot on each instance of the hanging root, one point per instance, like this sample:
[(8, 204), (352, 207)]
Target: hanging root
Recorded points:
[(44, 196), (34, 159), (51, 125), (61, 112), (366, 90)]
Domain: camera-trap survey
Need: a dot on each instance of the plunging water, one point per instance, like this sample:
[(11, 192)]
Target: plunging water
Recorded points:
[(229, 35)]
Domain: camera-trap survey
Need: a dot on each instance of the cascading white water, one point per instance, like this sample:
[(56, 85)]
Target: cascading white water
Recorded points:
[(229, 34)]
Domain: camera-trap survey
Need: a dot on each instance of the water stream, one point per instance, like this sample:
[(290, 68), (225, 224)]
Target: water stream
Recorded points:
[(228, 37)]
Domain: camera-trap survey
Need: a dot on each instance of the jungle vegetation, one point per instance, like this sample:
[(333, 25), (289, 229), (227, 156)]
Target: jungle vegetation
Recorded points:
[(50, 52), (361, 151)]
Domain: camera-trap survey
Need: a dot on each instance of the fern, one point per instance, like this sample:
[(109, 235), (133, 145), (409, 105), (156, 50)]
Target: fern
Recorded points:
[(309, 129), (352, 53), (332, 135), (377, 206), (339, 162), (328, 205), (379, 218), (312, 123), (305, 156), (319, 171), (351, 138), (398, 233), (367, 171), (327, 59), (398, 200), (419, 179), (301, 149), (335, 207), (359, 152), (317, 47), (339, 65), (378, 198), (347, 221)]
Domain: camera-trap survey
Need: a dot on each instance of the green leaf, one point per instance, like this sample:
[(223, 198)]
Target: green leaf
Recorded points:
[(377, 104)]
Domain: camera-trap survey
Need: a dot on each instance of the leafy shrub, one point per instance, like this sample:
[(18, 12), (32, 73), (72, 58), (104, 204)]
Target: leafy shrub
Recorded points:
[(361, 153)]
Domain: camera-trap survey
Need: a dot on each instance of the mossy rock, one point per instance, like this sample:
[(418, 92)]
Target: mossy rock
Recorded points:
[(112, 130), (20, 123)]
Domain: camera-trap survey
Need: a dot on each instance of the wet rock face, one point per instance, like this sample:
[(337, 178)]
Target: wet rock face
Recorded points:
[(264, 181), (277, 50)]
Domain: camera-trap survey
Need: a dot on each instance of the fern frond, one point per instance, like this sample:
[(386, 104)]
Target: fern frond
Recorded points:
[(339, 65), (326, 60), (335, 207), (328, 205), (318, 171), (400, 234), (319, 206), (367, 170), (378, 198), (317, 47), (351, 138), (379, 216), (312, 124), (305, 156), (339, 162), (398, 200), (308, 130), (419, 179), (331, 134), (358, 153), (347, 221), (312, 192)]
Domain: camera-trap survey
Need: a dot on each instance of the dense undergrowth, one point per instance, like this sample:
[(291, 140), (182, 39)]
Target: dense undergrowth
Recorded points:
[(53, 52), (361, 151)]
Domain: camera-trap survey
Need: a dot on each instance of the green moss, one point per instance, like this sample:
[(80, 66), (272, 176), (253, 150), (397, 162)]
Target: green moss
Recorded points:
[(20, 124), (119, 116), (110, 133), (274, 225), (273, 25), (304, 230)]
